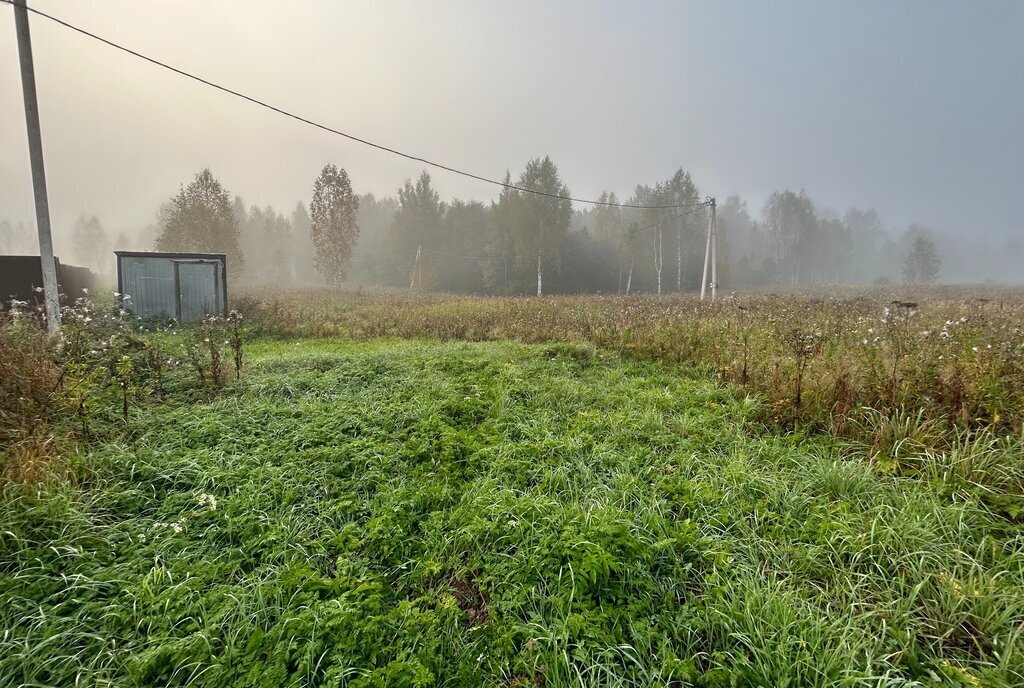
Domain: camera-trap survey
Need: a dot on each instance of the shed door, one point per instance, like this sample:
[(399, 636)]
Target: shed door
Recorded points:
[(196, 289)]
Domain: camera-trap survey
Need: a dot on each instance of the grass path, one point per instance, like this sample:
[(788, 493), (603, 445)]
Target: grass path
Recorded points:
[(420, 514)]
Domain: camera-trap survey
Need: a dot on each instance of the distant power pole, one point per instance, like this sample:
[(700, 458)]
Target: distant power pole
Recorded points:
[(35, 150), (714, 250), (417, 283), (710, 257)]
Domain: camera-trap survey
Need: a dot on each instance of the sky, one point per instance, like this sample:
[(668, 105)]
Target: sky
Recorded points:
[(914, 107)]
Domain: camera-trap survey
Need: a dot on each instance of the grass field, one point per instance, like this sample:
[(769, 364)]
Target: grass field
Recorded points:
[(420, 513)]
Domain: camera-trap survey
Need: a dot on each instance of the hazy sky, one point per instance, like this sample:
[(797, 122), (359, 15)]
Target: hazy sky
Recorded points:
[(914, 108)]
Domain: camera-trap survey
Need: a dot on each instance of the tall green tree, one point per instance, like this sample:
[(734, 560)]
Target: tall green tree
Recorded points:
[(500, 246), (790, 221), (679, 189), (607, 218), (629, 249), (922, 262), (464, 230), (372, 260), (654, 220), (267, 241), (867, 261), (333, 223), (541, 220), (200, 219), (416, 226), (303, 251), (90, 243), (740, 241)]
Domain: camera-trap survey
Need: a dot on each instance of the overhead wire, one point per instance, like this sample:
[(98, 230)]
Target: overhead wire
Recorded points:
[(351, 137), (697, 208)]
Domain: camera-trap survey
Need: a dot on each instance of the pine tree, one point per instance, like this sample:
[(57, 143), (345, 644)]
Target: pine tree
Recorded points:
[(922, 263), (303, 251), (500, 247), (333, 224)]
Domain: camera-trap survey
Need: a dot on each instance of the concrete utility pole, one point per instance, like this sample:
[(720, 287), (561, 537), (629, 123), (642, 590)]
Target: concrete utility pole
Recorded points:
[(714, 250), (35, 149), (679, 256), (710, 257), (416, 283), (540, 275)]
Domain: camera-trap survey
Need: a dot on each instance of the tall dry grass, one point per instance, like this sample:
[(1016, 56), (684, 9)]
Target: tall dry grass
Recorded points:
[(954, 356)]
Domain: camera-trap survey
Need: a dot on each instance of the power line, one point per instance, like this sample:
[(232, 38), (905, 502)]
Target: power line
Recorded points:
[(695, 209), (459, 255), (375, 262), (337, 132)]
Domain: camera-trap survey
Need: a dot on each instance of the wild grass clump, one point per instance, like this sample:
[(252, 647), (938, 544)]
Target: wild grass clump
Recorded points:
[(84, 384), (32, 398)]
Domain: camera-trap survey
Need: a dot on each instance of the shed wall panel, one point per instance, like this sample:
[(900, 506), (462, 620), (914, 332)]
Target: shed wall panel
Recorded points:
[(198, 290), (149, 282)]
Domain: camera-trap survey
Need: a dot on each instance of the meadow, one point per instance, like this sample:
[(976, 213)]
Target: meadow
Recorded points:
[(951, 357), (397, 490)]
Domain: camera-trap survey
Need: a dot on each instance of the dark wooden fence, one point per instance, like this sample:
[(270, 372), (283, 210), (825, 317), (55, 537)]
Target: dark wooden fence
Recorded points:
[(21, 276)]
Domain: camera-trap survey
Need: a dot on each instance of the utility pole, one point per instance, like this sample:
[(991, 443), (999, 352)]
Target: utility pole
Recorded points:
[(416, 282), (714, 250), (659, 256), (540, 292), (35, 149), (710, 257), (540, 246), (679, 256)]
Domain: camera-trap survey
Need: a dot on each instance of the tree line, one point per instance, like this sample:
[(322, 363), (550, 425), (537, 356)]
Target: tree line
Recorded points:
[(524, 243)]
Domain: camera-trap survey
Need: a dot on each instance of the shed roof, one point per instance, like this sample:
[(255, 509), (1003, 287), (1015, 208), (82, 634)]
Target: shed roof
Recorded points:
[(159, 254)]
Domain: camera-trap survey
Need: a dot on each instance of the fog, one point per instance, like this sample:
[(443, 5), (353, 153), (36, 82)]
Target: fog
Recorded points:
[(907, 113)]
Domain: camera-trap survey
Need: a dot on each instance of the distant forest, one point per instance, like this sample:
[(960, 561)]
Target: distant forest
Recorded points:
[(417, 240)]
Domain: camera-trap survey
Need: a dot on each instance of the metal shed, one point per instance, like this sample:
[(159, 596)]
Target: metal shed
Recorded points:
[(186, 286)]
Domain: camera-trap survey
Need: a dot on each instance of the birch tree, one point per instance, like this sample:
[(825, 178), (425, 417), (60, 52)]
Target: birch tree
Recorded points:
[(542, 220), (333, 225)]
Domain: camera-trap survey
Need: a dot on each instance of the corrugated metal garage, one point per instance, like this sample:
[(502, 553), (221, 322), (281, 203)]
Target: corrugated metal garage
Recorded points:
[(184, 286)]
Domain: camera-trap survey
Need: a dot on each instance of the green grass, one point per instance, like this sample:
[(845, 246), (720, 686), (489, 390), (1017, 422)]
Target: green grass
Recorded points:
[(420, 513)]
